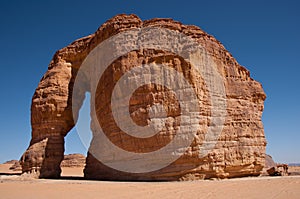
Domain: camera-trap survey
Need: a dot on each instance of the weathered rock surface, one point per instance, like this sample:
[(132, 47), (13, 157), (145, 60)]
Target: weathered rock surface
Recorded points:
[(240, 150), (73, 160)]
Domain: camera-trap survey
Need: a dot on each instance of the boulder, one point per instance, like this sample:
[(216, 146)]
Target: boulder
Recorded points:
[(269, 162)]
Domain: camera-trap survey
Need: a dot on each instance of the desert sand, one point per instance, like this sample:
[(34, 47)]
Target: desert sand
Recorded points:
[(16, 186)]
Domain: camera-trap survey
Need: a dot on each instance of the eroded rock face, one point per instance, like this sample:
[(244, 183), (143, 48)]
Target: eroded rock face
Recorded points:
[(240, 150)]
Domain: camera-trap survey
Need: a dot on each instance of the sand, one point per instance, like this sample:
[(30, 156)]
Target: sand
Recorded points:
[(15, 186), (74, 172), (4, 169), (294, 169)]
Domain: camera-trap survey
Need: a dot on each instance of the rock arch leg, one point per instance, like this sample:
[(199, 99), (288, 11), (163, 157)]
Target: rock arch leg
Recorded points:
[(51, 120)]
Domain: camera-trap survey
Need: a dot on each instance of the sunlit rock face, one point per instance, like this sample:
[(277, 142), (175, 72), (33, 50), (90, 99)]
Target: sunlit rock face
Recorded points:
[(240, 147)]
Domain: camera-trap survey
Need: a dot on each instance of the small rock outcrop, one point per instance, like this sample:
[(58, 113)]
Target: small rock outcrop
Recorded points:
[(16, 166), (240, 148), (274, 169), (11, 162), (270, 167)]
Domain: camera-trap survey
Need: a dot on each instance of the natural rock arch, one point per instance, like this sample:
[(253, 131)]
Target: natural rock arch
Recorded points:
[(240, 149)]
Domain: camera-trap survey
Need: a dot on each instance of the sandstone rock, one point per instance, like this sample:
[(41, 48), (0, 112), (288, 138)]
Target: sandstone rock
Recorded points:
[(70, 160), (73, 160), (273, 171), (240, 150), (11, 162), (269, 162), (16, 166)]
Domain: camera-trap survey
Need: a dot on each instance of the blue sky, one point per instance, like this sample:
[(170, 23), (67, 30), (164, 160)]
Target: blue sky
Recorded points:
[(262, 36)]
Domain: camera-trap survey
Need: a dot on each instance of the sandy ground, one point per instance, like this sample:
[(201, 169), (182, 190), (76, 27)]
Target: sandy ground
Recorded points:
[(294, 169), (15, 186), (74, 172), (4, 168)]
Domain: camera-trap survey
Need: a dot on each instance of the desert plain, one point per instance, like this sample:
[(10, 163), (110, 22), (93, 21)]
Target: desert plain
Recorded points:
[(72, 186)]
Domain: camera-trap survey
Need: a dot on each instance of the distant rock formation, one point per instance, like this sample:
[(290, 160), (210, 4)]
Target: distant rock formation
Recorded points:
[(73, 160), (16, 166), (240, 150), (294, 164), (11, 162)]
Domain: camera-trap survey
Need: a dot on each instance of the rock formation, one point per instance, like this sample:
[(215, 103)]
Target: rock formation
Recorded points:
[(70, 160), (73, 160), (269, 162), (274, 169), (16, 166), (240, 150), (270, 166), (11, 162)]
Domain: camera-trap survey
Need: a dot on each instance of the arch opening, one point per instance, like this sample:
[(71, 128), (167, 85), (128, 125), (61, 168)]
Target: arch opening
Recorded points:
[(76, 145)]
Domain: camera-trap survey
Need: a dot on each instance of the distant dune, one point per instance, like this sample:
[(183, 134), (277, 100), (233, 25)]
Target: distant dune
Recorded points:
[(294, 164)]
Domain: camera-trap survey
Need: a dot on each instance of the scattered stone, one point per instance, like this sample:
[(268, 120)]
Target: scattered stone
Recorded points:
[(273, 172), (283, 169)]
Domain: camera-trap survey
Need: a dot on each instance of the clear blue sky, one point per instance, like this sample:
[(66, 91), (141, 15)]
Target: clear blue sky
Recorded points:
[(263, 36)]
